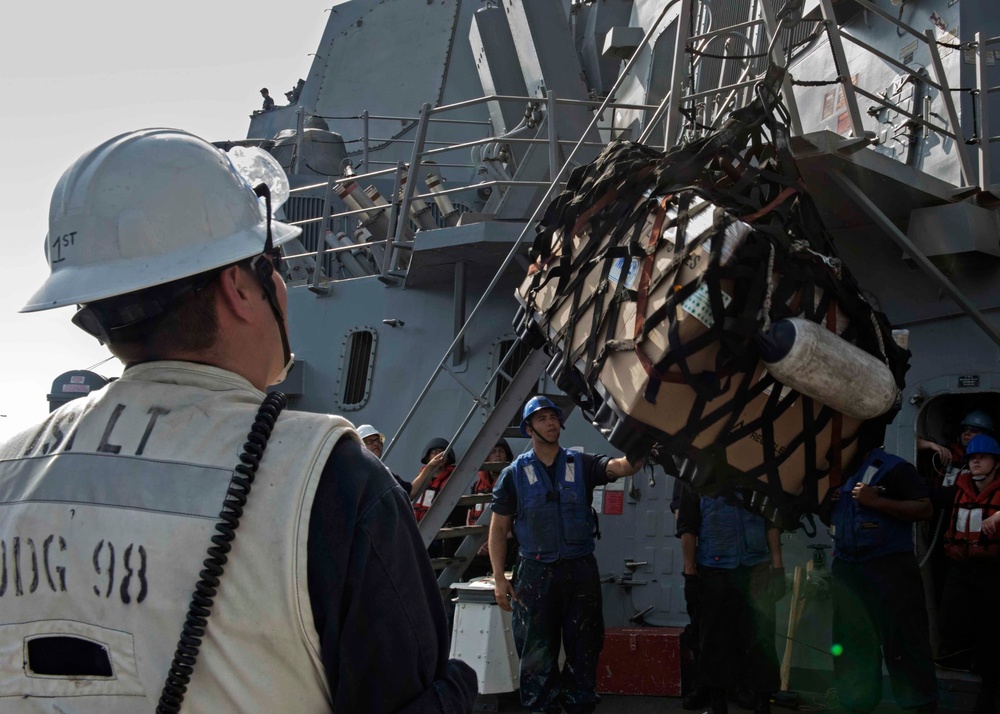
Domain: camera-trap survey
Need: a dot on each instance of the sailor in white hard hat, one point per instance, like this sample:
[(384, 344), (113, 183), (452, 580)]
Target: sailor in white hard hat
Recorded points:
[(372, 438), (136, 496)]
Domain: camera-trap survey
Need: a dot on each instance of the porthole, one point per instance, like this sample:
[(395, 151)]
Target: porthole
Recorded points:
[(357, 362)]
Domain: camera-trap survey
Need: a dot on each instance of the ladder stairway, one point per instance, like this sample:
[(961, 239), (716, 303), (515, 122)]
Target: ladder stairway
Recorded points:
[(473, 536), (455, 490)]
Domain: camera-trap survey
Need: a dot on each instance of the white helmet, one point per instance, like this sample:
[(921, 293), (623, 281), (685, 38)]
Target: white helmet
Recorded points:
[(366, 430), (147, 208)]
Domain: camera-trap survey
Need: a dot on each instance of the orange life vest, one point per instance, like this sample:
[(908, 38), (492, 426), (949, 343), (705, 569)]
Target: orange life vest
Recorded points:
[(423, 504), (484, 484), (965, 539)]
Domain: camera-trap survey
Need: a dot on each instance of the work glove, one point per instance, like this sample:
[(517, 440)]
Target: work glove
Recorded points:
[(692, 595), (776, 586)]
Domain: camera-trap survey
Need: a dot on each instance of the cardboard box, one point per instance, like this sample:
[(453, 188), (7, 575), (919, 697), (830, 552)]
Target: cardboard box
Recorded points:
[(624, 378)]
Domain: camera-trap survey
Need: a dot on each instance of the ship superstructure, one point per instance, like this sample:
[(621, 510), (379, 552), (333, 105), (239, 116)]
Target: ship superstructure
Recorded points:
[(428, 136)]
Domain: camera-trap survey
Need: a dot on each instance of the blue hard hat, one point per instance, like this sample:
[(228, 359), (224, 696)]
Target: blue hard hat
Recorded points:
[(978, 419), (982, 444), (537, 404)]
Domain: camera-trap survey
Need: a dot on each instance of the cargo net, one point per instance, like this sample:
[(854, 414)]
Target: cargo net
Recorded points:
[(655, 282)]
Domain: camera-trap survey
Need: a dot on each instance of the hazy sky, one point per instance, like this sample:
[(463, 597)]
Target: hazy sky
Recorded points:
[(74, 74)]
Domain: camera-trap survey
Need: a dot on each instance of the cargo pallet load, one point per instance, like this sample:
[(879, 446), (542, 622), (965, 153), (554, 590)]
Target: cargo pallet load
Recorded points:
[(697, 312)]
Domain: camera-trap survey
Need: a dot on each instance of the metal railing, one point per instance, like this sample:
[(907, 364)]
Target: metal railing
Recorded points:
[(982, 137), (940, 81), (695, 105), (687, 110), (400, 233)]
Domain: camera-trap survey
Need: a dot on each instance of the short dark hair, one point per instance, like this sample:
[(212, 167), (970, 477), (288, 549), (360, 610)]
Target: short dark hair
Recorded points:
[(189, 325)]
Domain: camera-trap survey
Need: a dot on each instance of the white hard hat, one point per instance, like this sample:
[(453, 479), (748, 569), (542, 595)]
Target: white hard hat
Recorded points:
[(147, 208), (366, 430)]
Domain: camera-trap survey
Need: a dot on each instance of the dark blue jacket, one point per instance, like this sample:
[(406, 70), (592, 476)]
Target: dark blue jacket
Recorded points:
[(553, 520), (730, 536), (862, 533), (375, 600)]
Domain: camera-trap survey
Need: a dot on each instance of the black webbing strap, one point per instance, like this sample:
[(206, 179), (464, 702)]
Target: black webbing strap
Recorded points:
[(744, 171)]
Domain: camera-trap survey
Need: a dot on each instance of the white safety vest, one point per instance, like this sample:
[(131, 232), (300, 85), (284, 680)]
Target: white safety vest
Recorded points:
[(106, 512)]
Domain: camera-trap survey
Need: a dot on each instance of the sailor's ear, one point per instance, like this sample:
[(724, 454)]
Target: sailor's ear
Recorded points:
[(238, 292)]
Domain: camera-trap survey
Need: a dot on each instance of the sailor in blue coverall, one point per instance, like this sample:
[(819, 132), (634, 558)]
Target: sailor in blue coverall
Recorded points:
[(733, 574), (879, 612), (545, 497)]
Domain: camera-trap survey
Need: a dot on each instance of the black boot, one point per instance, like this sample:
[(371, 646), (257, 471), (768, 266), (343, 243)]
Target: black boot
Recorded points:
[(696, 698), (717, 696)]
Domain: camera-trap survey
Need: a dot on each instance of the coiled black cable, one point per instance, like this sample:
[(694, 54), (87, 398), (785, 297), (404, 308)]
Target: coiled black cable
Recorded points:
[(205, 590)]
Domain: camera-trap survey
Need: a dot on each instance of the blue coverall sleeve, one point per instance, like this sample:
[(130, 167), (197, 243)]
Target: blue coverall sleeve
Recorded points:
[(382, 626), (505, 494)]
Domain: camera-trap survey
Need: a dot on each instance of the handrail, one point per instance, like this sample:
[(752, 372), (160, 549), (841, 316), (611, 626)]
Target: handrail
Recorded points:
[(724, 88), (482, 100), (343, 179), (938, 82), (672, 105), (386, 117), (340, 249), (725, 30), (518, 98), (909, 115), (494, 140), (339, 214), (891, 60), (949, 106), (366, 140), (482, 184), (457, 189), (391, 140), (390, 246), (983, 134)]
